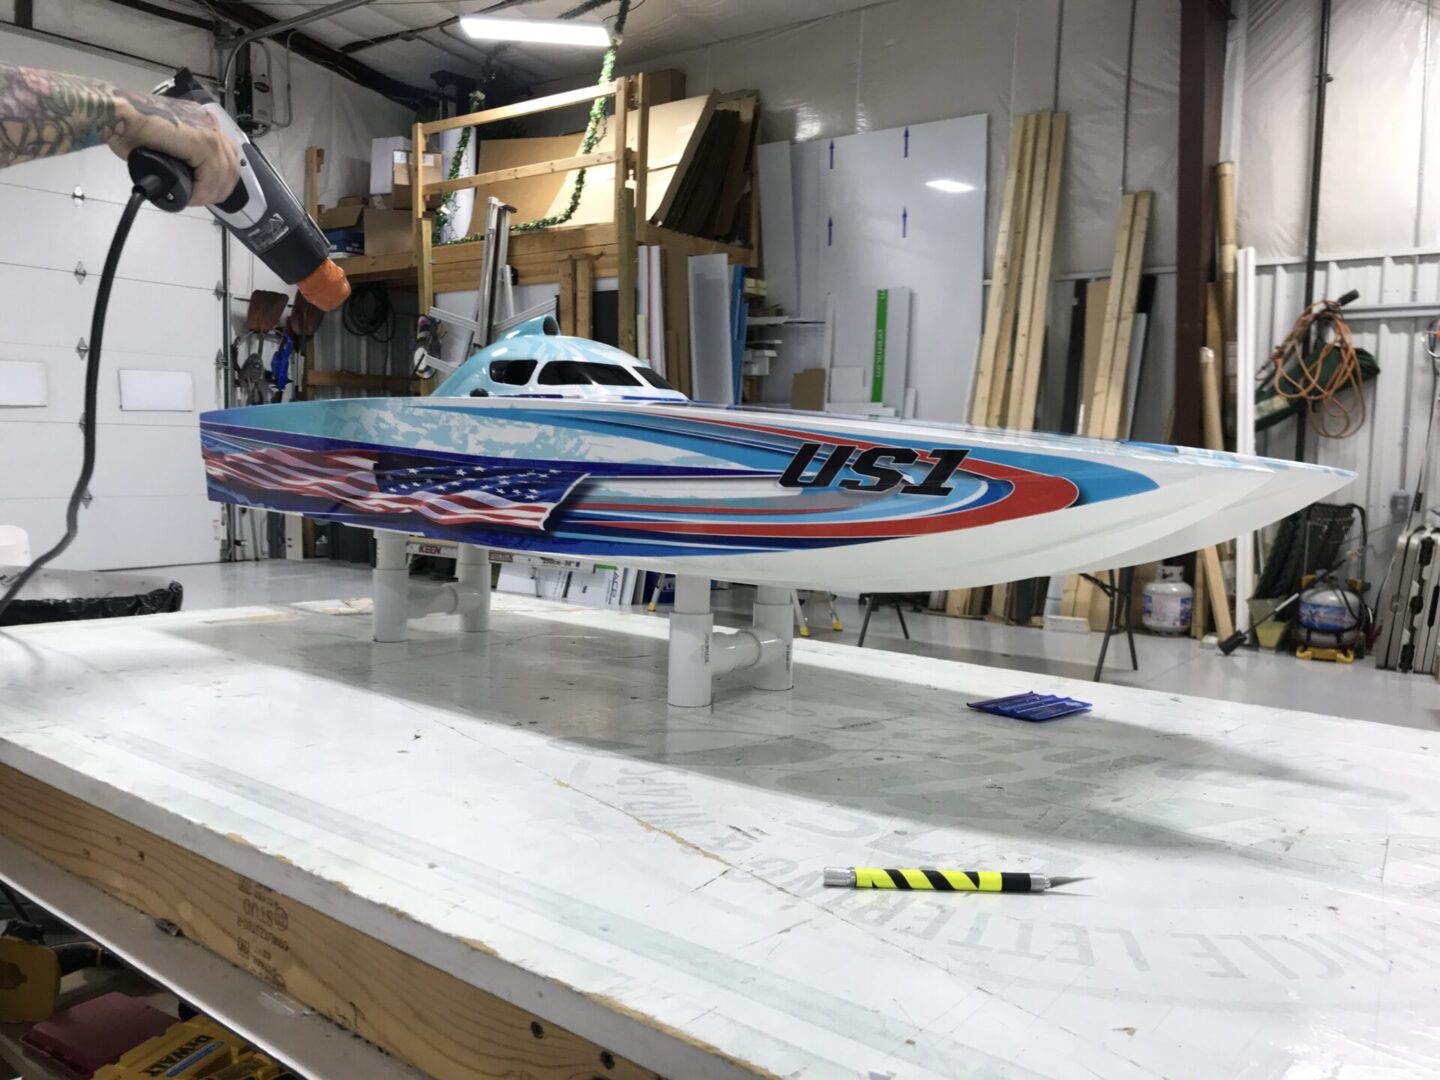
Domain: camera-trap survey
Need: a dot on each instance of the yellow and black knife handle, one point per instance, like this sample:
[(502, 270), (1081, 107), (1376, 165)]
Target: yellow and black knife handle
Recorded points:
[(869, 877)]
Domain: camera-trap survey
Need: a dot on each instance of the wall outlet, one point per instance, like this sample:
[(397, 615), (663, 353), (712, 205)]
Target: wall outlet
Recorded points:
[(1399, 504)]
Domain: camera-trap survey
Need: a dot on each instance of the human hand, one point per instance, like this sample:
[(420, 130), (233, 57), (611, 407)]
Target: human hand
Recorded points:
[(184, 130)]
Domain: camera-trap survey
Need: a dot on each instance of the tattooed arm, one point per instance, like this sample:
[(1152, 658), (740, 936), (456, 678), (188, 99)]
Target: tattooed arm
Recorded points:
[(45, 113)]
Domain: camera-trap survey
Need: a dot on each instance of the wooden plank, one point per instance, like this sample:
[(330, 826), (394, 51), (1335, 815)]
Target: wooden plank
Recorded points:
[(584, 295), (567, 295), (1029, 275), (417, 175), (675, 261), (1215, 586), (1095, 408), (1096, 296), (985, 375), (687, 158), (1010, 299), (521, 172), (642, 85), (1034, 349), (1120, 362), (626, 249), (694, 245), (520, 108), (1200, 603), (721, 219), (441, 1025), (314, 162)]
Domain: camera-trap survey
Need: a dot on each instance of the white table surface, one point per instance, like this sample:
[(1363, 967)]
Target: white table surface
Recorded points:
[(521, 809)]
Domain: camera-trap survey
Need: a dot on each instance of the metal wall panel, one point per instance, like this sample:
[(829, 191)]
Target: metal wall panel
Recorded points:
[(1387, 451)]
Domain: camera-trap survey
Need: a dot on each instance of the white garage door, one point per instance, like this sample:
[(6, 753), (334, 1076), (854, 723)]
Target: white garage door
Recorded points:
[(149, 506)]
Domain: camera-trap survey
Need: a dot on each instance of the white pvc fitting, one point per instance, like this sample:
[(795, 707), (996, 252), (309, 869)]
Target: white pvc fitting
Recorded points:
[(391, 586), (690, 669), (444, 598), (774, 619), (472, 569), (732, 651)]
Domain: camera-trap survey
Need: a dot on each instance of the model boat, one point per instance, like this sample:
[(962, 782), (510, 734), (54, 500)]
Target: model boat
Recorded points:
[(562, 446)]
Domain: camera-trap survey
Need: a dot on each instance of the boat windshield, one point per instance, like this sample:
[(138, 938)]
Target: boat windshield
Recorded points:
[(579, 373)]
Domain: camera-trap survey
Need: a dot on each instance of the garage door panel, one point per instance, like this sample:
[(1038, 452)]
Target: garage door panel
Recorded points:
[(118, 533), (42, 460), (65, 378), (49, 307), (51, 230)]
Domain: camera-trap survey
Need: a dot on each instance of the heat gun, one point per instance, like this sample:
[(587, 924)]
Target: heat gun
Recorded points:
[(262, 212)]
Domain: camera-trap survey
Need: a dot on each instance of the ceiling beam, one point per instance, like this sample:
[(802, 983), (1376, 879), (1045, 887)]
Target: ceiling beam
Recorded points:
[(251, 18)]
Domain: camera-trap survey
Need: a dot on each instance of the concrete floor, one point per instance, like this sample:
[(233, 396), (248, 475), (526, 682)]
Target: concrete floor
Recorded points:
[(1176, 665)]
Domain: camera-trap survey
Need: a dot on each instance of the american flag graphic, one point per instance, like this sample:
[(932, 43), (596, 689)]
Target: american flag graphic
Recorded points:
[(381, 483)]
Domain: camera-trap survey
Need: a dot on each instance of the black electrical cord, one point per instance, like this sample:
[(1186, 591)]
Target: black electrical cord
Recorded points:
[(92, 386)]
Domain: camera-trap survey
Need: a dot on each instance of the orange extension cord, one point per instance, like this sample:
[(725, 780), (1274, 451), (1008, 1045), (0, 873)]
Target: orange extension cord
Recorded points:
[(1330, 417)]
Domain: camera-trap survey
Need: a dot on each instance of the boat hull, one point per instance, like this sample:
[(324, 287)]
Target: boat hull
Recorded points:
[(763, 496)]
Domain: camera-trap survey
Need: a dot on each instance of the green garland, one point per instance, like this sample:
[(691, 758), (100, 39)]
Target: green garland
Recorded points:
[(593, 130), (447, 204)]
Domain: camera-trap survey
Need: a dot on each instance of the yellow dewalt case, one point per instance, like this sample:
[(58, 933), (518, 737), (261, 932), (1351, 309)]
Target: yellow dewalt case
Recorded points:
[(195, 1049)]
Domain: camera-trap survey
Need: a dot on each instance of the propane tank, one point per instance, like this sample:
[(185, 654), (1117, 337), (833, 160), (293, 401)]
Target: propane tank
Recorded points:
[(1329, 616), (1168, 602)]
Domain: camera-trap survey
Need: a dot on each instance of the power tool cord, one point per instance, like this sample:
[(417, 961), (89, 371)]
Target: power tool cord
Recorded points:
[(92, 386)]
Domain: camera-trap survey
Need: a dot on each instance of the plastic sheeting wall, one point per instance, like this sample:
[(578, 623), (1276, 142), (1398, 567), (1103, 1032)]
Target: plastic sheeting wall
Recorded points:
[(1381, 169), (1379, 230), (909, 61)]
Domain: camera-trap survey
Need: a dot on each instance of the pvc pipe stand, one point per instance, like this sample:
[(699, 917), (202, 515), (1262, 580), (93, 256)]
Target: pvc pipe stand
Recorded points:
[(391, 579), (689, 678), (472, 569), (774, 619)]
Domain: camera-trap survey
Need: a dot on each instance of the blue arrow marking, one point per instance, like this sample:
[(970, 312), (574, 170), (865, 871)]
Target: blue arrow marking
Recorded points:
[(832, 153), (904, 222), (829, 232), (907, 142)]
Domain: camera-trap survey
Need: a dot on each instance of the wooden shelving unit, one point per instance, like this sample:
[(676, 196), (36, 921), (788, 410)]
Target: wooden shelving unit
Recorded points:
[(609, 248)]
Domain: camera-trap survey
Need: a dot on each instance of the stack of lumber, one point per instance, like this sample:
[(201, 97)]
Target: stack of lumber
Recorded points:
[(1217, 361), (1007, 376), (694, 184), (1106, 376), (709, 194)]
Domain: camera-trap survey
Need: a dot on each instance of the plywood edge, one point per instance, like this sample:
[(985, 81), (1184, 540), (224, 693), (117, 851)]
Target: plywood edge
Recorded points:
[(253, 910)]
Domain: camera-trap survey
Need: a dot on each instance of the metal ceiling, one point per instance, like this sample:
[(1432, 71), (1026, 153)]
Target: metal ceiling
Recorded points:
[(655, 28)]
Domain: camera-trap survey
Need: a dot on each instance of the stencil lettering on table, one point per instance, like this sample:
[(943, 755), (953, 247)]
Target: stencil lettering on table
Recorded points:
[(1023, 950)]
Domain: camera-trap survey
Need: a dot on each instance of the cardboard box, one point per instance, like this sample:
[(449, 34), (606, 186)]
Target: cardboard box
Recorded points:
[(382, 157), (389, 232), (665, 85), (355, 230), (807, 390), (399, 197)]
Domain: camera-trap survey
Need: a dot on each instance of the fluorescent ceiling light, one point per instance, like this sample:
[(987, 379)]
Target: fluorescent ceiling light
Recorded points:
[(545, 31), (954, 187)]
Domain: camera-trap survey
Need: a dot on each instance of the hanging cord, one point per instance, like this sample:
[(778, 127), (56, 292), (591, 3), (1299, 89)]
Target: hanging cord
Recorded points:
[(80, 494), (593, 130), (1330, 417)]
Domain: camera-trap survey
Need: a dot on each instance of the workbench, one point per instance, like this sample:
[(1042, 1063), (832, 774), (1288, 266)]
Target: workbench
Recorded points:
[(501, 854)]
